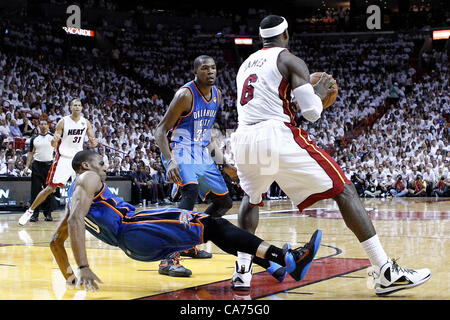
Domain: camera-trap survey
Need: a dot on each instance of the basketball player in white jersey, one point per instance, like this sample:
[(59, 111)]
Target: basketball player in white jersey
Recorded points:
[(269, 147), (67, 140)]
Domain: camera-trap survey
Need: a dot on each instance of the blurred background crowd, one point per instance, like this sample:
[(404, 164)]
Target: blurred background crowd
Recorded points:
[(388, 129)]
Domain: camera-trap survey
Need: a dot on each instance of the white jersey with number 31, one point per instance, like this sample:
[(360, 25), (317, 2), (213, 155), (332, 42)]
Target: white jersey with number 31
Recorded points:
[(73, 136), (262, 92)]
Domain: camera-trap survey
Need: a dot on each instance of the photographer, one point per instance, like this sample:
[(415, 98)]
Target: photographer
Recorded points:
[(358, 182), (442, 187), (387, 185), (399, 189), (371, 185), (419, 187)]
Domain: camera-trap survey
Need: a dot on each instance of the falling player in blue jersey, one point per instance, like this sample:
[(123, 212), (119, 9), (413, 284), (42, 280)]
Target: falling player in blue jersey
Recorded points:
[(150, 235), (190, 116)]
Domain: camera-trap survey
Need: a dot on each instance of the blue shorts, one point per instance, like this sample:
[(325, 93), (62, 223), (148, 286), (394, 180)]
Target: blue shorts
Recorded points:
[(198, 168), (152, 235)]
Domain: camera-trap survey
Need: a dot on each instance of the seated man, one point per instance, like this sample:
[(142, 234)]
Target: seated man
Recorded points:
[(141, 184), (441, 189), (151, 235), (418, 187), (400, 187)]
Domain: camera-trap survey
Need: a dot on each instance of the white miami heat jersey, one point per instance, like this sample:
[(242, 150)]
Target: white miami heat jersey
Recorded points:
[(73, 136), (262, 92)]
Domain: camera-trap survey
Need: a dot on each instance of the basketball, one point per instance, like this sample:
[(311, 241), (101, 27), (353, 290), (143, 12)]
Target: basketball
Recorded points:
[(331, 97)]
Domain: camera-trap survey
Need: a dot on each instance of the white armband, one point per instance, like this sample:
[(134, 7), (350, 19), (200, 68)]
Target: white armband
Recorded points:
[(310, 103)]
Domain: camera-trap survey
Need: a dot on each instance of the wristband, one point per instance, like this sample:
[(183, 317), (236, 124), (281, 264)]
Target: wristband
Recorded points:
[(169, 162), (82, 267)]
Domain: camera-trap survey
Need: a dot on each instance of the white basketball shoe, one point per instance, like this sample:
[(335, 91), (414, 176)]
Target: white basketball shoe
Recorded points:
[(392, 278), (242, 277), (25, 217)]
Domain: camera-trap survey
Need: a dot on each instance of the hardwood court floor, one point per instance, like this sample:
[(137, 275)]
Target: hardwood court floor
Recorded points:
[(414, 230)]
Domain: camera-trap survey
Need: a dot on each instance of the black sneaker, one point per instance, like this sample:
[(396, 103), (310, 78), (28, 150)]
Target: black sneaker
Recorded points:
[(299, 260), (34, 217), (171, 267), (48, 217), (196, 254)]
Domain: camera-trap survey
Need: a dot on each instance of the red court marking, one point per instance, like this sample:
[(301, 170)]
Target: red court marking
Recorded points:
[(264, 284)]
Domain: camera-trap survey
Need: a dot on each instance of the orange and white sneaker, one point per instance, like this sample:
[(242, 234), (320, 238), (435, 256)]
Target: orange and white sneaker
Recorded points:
[(392, 278)]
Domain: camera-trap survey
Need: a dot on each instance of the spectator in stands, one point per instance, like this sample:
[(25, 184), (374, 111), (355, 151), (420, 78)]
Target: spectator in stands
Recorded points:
[(27, 128), (429, 178), (141, 184), (389, 184), (163, 184), (114, 170), (101, 152), (4, 130), (3, 159), (125, 166), (14, 129), (10, 169), (400, 187), (152, 184), (20, 167), (442, 188), (418, 187), (405, 175), (383, 187), (358, 182), (114, 166), (371, 186)]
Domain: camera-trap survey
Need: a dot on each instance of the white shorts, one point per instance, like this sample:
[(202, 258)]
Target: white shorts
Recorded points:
[(275, 151), (60, 171)]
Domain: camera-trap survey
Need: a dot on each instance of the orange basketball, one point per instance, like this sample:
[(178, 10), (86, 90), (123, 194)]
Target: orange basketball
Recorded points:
[(331, 97)]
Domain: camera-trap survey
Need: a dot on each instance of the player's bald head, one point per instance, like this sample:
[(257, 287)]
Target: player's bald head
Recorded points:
[(200, 60)]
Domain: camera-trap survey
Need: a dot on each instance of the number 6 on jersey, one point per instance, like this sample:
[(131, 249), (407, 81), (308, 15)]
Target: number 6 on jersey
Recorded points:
[(247, 90)]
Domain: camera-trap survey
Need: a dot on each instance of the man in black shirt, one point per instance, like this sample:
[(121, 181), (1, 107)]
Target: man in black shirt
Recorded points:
[(141, 183), (40, 159)]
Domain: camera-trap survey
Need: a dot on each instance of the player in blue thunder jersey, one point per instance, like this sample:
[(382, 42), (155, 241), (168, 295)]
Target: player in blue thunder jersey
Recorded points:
[(150, 235), (190, 116)]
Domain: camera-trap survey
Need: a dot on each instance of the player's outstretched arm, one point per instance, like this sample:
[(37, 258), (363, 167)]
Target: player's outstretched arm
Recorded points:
[(58, 133), (180, 104), (91, 135), (59, 252), (87, 185)]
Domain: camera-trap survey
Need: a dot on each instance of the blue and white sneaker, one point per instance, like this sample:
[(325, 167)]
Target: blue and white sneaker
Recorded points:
[(299, 260), (277, 271)]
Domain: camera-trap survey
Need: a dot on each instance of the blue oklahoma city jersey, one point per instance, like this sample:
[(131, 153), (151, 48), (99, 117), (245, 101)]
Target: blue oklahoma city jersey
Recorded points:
[(148, 235), (105, 215), (195, 127), (190, 136)]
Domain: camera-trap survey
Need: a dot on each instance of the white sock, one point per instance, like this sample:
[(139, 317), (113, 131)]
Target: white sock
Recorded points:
[(244, 259), (375, 251)]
